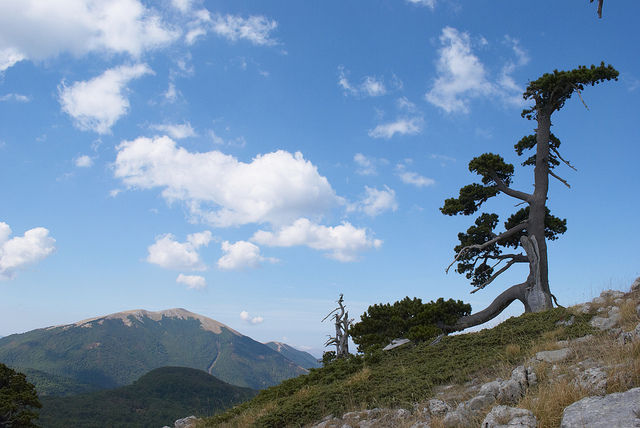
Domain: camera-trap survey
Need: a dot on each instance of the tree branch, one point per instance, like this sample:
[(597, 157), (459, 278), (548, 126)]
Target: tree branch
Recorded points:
[(509, 191), (517, 258), (562, 159), (495, 275), (515, 292), (562, 180), (503, 235)]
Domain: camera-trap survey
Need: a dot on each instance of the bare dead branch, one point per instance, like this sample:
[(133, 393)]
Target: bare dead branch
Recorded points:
[(494, 276), (581, 99), (562, 159), (562, 180), (509, 191), (503, 235)]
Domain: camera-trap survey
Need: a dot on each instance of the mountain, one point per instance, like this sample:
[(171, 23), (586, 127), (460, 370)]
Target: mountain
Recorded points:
[(301, 358), (158, 398), (114, 350)]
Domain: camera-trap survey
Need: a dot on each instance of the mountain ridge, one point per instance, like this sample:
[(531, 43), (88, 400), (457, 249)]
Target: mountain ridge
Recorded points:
[(115, 349)]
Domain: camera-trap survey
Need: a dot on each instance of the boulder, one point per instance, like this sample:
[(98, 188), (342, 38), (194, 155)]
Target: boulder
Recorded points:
[(438, 407), (188, 422), (554, 356), (505, 416), (491, 388), (621, 409), (593, 379), (636, 285), (395, 343), (606, 323)]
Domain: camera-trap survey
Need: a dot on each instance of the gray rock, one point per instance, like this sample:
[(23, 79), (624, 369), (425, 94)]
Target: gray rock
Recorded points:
[(480, 402), (618, 301), (421, 424), (636, 285), (638, 310), (505, 416), (593, 379), (568, 322), (438, 407), (605, 323), (396, 343), (583, 338), (625, 337), (554, 356), (613, 311), (456, 419), (510, 392), (621, 409), (584, 308), (188, 422), (599, 301), (491, 388)]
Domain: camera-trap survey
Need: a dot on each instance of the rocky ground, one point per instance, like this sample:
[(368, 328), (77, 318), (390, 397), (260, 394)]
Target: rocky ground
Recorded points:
[(589, 367), (592, 381)]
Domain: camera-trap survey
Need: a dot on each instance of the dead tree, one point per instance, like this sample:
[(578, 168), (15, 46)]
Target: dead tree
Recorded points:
[(343, 324)]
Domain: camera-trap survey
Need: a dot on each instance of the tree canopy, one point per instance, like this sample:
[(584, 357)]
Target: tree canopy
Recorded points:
[(18, 399)]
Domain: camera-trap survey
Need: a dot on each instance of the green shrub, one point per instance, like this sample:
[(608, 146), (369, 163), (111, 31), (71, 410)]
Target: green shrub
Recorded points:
[(408, 318)]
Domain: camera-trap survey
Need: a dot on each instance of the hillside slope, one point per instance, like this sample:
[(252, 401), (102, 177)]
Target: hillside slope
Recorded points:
[(156, 399), (301, 358), (571, 350), (115, 350)]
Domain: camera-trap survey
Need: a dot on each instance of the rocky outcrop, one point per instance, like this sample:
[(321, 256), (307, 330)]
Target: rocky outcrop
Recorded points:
[(621, 409), (505, 416)]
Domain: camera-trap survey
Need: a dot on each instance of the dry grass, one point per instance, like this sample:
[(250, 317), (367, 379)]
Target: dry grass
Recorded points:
[(547, 402), (247, 418)]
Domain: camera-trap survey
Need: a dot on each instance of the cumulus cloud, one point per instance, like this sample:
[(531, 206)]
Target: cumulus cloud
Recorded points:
[(83, 161), (218, 189), (20, 252), (404, 126), (178, 131), (241, 255), (376, 201), (35, 29), (370, 86), (244, 315), (255, 29), (342, 243), (193, 282), (511, 92), (168, 253), (98, 103), (461, 75)]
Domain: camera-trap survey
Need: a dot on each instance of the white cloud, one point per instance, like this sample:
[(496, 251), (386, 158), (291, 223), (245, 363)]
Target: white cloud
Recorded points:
[(256, 29), (429, 3), (404, 126), (275, 187), (168, 253), (343, 242), (410, 177), (376, 201), (370, 86), (218, 140), (511, 92), (98, 103), (183, 6), (241, 255), (15, 97), (193, 282), (36, 29), (244, 315), (413, 178), (21, 251), (403, 103), (176, 130), (83, 161), (461, 75), (366, 166), (171, 94)]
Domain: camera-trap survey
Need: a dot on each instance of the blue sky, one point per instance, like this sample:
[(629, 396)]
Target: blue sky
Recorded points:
[(249, 161)]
